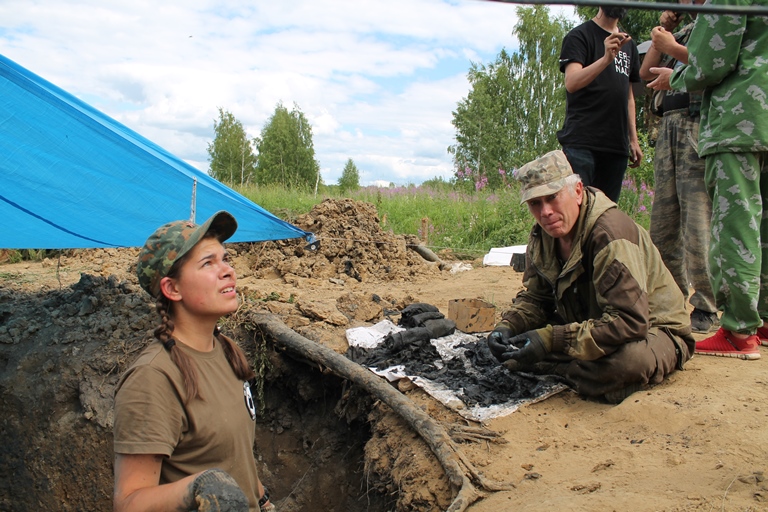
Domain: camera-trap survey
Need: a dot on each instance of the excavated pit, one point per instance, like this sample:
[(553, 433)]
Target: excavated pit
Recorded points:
[(57, 381), (68, 331), (311, 441)]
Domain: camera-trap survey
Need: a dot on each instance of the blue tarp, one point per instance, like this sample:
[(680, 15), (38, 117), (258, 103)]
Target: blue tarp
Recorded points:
[(72, 177)]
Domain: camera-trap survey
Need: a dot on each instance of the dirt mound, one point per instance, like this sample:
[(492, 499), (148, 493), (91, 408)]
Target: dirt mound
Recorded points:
[(60, 356), (352, 245)]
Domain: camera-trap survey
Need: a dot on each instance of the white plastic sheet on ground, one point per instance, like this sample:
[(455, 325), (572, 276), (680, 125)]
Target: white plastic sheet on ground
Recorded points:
[(370, 337), (502, 256)]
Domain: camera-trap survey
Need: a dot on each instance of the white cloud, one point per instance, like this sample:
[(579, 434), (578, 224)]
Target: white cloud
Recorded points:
[(377, 80)]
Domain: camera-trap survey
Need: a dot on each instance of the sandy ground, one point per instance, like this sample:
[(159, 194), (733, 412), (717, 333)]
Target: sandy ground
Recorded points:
[(696, 442), (699, 441)]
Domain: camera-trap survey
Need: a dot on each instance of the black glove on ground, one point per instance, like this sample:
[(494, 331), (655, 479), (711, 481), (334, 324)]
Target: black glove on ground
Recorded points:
[(440, 327), (215, 490), (530, 349), (498, 341), (413, 315)]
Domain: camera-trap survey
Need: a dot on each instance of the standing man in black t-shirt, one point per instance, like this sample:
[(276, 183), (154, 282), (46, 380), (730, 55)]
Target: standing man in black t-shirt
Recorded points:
[(599, 133)]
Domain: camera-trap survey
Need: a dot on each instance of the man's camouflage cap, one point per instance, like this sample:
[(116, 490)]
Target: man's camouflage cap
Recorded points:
[(172, 241), (543, 176)]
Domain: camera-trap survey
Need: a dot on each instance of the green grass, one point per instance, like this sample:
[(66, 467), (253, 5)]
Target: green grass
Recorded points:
[(285, 203), (443, 216), (18, 255)]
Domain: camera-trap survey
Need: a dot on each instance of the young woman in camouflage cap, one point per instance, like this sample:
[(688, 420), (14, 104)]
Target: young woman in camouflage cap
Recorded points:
[(184, 416)]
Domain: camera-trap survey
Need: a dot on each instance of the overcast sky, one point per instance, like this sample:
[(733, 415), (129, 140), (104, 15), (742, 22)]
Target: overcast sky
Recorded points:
[(378, 80)]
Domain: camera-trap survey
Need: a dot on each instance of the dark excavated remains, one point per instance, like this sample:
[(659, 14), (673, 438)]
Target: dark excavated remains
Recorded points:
[(476, 378)]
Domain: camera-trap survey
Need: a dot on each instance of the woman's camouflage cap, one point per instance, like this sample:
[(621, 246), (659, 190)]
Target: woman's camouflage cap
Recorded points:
[(543, 176), (172, 241)]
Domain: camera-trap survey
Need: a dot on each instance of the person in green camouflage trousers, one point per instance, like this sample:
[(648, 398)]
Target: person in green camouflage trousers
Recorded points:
[(681, 207), (728, 57)]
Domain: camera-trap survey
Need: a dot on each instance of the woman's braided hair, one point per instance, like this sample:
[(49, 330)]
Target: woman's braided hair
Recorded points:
[(164, 332)]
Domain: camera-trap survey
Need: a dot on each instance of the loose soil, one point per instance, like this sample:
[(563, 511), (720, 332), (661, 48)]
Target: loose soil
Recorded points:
[(70, 325)]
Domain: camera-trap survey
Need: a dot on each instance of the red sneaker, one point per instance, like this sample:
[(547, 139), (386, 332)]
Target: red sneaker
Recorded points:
[(762, 333), (723, 344)]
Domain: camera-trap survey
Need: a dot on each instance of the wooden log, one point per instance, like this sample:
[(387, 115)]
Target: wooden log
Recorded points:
[(427, 253), (457, 468)]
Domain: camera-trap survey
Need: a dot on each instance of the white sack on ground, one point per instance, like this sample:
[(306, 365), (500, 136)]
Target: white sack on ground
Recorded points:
[(502, 256)]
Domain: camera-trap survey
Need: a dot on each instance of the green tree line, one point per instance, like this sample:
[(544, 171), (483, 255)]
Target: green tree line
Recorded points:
[(511, 115)]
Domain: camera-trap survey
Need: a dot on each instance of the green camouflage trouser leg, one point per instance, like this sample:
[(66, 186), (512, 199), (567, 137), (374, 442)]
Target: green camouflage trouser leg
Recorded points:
[(739, 254), (682, 208)]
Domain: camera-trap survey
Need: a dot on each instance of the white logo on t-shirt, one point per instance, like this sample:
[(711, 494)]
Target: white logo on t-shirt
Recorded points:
[(621, 62), (249, 400)]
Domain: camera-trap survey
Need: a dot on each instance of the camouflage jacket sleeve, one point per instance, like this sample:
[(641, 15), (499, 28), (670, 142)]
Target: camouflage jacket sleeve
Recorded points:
[(713, 49), (727, 59)]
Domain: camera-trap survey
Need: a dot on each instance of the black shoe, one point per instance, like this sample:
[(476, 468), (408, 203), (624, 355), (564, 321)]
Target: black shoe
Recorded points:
[(703, 322)]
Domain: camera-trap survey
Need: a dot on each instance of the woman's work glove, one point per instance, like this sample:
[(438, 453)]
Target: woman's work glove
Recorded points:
[(215, 490), (528, 349), (498, 340)]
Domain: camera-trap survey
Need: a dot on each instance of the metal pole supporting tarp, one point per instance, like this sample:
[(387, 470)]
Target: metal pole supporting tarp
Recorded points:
[(193, 206)]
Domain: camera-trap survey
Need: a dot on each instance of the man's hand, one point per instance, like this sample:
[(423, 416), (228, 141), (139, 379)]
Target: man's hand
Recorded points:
[(530, 348), (661, 83), (663, 40), (498, 340), (670, 20), (613, 44), (215, 490), (635, 154)]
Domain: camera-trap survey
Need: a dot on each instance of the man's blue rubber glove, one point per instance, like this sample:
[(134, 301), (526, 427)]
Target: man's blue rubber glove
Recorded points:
[(529, 348), (498, 340)]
